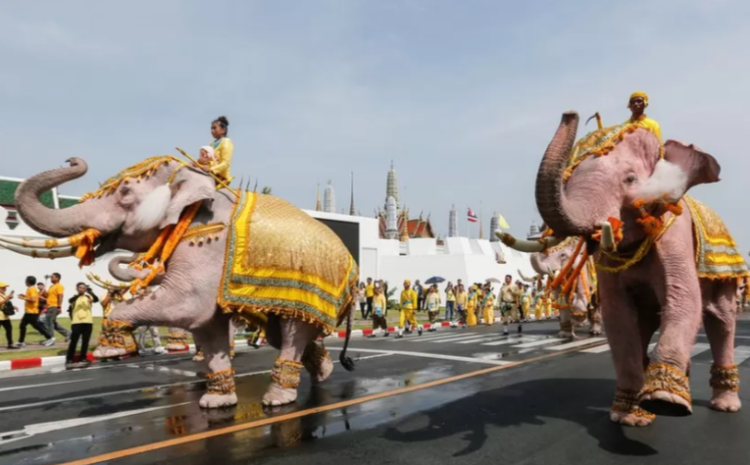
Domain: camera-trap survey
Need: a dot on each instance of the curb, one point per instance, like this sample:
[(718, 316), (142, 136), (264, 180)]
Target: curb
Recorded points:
[(37, 362)]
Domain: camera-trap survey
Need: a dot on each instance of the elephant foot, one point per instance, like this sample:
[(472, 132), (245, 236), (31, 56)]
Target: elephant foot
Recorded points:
[(317, 362), (220, 390), (276, 395), (625, 410), (666, 391), (725, 381), (566, 335), (596, 329), (285, 378), (218, 400), (106, 352), (199, 357)]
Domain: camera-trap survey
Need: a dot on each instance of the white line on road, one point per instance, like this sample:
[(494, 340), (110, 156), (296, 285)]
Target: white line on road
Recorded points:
[(741, 353), (699, 348), (597, 350), (40, 428), (539, 343), (426, 355), (462, 338), (481, 339), (570, 345), (513, 340), (32, 386)]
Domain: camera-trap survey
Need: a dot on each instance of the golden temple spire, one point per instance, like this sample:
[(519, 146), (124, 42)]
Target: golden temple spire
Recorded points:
[(317, 203)]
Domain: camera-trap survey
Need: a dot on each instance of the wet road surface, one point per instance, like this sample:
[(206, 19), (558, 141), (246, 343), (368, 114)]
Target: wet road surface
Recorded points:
[(453, 396)]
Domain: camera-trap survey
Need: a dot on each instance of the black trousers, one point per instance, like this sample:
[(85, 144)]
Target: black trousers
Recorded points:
[(363, 309), (8, 331), (33, 320), (369, 308), (83, 331)]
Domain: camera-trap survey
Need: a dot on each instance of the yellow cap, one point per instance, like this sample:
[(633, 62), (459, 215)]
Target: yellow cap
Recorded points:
[(3, 284), (640, 94), (407, 282)]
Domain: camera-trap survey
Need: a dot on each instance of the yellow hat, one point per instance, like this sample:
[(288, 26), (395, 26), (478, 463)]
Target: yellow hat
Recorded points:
[(407, 282), (3, 284), (640, 94)]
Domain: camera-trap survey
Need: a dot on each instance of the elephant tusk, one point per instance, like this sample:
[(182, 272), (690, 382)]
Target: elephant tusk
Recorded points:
[(36, 243), (105, 283), (608, 237), (34, 253), (527, 246)]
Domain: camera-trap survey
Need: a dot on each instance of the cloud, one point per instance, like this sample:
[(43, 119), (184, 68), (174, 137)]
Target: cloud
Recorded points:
[(464, 97)]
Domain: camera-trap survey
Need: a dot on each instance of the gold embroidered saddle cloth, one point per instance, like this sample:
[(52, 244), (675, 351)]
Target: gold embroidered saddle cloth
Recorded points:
[(716, 253), (279, 260)]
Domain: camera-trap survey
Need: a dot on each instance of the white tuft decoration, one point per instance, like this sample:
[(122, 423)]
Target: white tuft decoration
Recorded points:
[(668, 180), (152, 211)]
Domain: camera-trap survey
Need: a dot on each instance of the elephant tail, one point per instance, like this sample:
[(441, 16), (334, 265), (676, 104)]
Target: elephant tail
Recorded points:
[(347, 362)]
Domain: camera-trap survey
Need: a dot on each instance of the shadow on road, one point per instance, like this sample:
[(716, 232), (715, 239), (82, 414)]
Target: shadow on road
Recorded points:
[(581, 401)]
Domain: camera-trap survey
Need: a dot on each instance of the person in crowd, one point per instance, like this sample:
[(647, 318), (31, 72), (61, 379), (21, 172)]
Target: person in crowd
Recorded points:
[(54, 307), (82, 322), (420, 295), (462, 300), (379, 323), (6, 311), (509, 296), (31, 314), (384, 286), (526, 301), (518, 314), (450, 302), (369, 294), (471, 306), (408, 303), (488, 305), (362, 299), (432, 302)]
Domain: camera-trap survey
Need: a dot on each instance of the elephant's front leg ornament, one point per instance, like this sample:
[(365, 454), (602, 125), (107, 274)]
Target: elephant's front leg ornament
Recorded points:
[(116, 340)]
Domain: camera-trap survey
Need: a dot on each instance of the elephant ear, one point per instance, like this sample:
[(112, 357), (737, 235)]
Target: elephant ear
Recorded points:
[(188, 186), (699, 167)]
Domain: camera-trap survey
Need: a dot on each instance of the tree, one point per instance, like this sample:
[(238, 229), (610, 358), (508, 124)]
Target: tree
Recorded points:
[(266, 190)]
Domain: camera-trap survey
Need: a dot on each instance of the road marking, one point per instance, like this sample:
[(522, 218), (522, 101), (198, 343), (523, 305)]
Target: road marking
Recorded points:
[(166, 370), (407, 353), (528, 345), (582, 342), (513, 340), (440, 338), (40, 428), (597, 350), (741, 353), (699, 348), (481, 339), (145, 389), (302, 413), (32, 386), (462, 338)]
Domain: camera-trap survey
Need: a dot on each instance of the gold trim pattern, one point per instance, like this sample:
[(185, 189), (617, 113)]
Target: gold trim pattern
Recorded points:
[(199, 233), (221, 382), (725, 377), (118, 334), (627, 402), (665, 377), (314, 356), (141, 170), (286, 373)]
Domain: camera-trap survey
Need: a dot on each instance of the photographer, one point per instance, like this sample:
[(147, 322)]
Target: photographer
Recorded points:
[(82, 323)]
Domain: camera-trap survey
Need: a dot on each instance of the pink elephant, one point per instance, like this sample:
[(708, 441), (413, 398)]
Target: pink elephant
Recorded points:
[(652, 279), (132, 209), (549, 263)]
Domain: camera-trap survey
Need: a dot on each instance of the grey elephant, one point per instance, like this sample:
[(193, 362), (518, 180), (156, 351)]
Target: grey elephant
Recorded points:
[(221, 252), (549, 262)]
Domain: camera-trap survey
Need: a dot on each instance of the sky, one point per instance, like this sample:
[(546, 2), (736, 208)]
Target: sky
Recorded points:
[(463, 96)]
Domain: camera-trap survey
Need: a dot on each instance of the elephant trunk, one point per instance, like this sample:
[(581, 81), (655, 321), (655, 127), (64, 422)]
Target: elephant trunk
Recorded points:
[(49, 221), (550, 191), (125, 274)]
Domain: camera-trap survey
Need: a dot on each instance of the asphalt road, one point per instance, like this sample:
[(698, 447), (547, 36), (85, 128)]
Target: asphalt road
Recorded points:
[(519, 400)]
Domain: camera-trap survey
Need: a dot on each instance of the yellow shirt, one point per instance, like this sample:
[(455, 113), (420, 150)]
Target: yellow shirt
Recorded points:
[(490, 302), (369, 290), (510, 293), (472, 302), (82, 310), (433, 301), (223, 159), (54, 295), (32, 308), (450, 296), (378, 301), (3, 299), (462, 298), (647, 123), (409, 299)]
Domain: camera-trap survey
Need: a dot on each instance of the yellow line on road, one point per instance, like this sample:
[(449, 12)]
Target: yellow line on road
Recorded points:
[(302, 413)]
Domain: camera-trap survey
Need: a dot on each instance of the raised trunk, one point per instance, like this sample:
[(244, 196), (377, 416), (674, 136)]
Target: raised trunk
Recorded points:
[(125, 274), (550, 193), (48, 221)]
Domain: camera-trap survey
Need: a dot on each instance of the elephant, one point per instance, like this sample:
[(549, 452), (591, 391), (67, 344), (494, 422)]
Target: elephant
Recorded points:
[(159, 197), (626, 197), (572, 314)]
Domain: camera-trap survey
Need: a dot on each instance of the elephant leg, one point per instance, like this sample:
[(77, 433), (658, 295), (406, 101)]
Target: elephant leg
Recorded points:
[(666, 388), (176, 339), (220, 387), (317, 362), (719, 312), (628, 352), (595, 318), (566, 324), (285, 376)]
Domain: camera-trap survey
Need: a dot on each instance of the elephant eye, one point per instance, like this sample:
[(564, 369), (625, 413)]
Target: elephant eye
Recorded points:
[(631, 178)]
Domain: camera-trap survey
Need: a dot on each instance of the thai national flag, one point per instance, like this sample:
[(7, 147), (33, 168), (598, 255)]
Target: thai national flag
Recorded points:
[(472, 217)]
